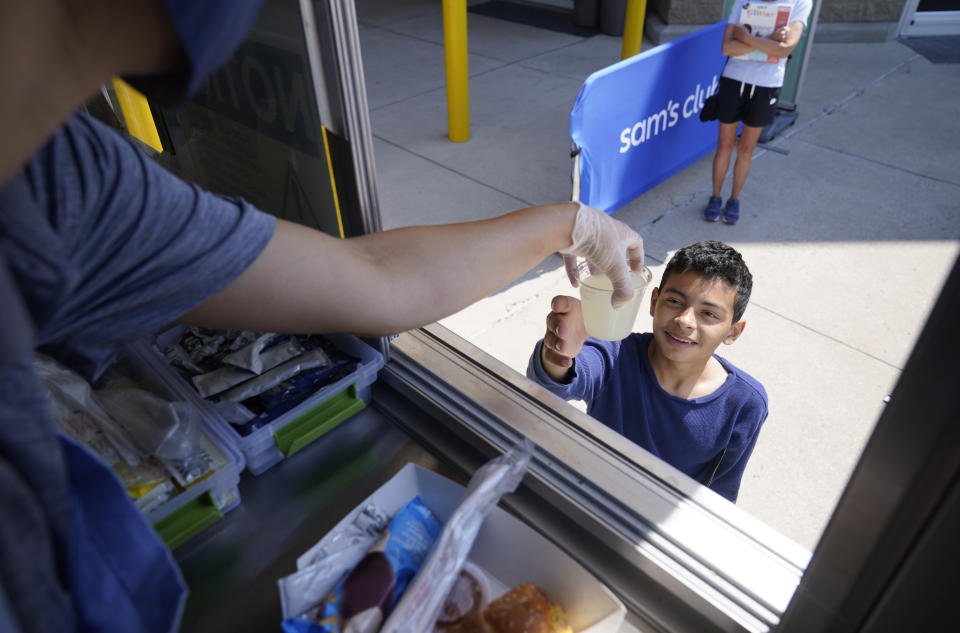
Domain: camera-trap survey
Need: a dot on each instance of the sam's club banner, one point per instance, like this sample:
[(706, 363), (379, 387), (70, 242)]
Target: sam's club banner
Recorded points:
[(637, 122)]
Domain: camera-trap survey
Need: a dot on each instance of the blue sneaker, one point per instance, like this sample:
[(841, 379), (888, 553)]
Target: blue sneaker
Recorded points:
[(731, 215), (712, 212)]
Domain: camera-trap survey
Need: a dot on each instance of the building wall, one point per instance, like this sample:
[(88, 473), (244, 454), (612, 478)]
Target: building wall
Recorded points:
[(709, 11)]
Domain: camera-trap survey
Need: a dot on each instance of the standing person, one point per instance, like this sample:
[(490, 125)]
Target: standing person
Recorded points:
[(748, 93), (666, 390), (100, 246)]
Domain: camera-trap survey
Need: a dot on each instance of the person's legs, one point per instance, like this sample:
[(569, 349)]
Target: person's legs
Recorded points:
[(727, 138), (748, 143), (726, 141), (759, 111)]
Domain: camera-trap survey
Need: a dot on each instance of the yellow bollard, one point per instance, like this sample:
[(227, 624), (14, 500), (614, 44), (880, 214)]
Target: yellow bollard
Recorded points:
[(633, 28), (458, 83)]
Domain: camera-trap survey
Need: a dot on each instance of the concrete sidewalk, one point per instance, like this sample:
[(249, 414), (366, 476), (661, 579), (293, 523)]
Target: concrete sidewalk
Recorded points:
[(849, 244)]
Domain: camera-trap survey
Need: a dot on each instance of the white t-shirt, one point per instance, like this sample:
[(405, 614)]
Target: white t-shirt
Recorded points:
[(764, 73)]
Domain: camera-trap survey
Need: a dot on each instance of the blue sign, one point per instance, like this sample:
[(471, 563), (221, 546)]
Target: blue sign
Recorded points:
[(636, 123)]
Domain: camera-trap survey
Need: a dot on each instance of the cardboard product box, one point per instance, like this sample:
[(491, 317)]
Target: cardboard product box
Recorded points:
[(506, 549)]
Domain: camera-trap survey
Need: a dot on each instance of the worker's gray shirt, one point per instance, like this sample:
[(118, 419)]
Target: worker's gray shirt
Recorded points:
[(98, 247)]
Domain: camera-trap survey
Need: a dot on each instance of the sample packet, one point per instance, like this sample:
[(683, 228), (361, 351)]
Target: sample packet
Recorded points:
[(243, 365), (250, 378), (154, 445)]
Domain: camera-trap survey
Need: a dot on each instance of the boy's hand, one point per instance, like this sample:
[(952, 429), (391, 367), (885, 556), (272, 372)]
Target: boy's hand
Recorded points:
[(564, 337), (781, 34)]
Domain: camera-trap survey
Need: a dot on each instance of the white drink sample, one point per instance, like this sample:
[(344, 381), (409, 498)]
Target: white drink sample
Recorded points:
[(599, 317)]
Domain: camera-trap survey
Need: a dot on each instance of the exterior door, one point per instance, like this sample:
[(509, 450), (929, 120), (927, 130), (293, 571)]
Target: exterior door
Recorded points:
[(928, 18)]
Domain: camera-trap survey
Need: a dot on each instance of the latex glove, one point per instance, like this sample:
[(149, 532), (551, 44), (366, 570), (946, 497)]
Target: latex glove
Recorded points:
[(606, 244)]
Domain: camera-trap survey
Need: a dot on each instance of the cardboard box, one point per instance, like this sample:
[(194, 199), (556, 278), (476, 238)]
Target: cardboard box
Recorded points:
[(509, 551)]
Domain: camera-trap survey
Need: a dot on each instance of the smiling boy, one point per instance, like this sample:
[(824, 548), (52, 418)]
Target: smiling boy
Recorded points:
[(667, 391)]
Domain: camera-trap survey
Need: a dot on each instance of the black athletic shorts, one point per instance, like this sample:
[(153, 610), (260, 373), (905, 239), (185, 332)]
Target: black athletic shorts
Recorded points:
[(738, 101)]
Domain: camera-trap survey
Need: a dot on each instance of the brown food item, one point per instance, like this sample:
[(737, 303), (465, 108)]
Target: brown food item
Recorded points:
[(523, 609)]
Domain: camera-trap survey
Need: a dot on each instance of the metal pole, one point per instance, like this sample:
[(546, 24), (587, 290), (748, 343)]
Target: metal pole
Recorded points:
[(812, 20), (330, 29), (633, 28), (458, 85)]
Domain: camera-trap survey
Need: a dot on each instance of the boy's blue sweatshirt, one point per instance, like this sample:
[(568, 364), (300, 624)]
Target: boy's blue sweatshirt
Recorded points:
[(617, 383)]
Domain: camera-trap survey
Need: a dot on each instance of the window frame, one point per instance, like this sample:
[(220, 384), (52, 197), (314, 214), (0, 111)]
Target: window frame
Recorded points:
[(706, 565), (641, 526)]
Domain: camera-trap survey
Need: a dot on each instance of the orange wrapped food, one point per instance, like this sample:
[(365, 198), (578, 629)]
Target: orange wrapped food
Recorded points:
[(523, 609)]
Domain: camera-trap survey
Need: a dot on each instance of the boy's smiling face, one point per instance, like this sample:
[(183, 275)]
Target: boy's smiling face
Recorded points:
[(693, 314)]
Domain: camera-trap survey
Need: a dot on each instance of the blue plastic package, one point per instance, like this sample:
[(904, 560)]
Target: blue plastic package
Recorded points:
[(370, 591)]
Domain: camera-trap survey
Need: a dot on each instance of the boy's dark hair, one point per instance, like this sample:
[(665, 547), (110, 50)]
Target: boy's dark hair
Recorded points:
[(714, 260)]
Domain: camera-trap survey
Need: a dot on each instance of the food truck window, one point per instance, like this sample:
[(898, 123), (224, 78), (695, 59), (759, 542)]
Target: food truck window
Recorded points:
[(679, 556), (815, 342), (828, 377)]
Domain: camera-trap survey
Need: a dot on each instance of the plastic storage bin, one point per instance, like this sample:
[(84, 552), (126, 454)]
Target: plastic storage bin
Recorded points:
[(206, 501), (178, 511), (297, 428)]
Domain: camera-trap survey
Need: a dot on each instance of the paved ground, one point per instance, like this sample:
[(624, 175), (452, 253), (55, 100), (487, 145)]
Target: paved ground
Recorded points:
[(849, 246)]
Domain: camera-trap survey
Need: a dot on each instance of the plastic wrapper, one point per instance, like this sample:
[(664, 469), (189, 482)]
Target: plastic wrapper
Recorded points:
[(234, 413), (79, 415), (222, 365), (470, 593), (264, 353), (424, 599), (213, 382), (201, 350), (328, 561), (156, 496), (523, 608), (141, 479), (271, 404), (368, 593), (247, 363), (308, 360), (168, 430)]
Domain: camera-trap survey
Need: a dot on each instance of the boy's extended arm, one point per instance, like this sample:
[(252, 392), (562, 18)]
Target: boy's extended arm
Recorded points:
[(580, 384)]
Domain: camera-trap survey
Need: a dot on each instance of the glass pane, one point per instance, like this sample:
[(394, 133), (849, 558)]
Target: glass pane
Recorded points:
[(938, 5), (849, 229), (253, 129)]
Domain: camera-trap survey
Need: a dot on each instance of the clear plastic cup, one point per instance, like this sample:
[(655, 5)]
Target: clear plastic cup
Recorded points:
[(599, 317)]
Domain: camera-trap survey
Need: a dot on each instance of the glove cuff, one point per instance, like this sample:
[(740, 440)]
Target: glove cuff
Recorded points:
[(576, 233)]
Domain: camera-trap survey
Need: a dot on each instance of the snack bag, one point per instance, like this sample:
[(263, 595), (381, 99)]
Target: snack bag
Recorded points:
[(320, 569), (424, 600), (364, 598)]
